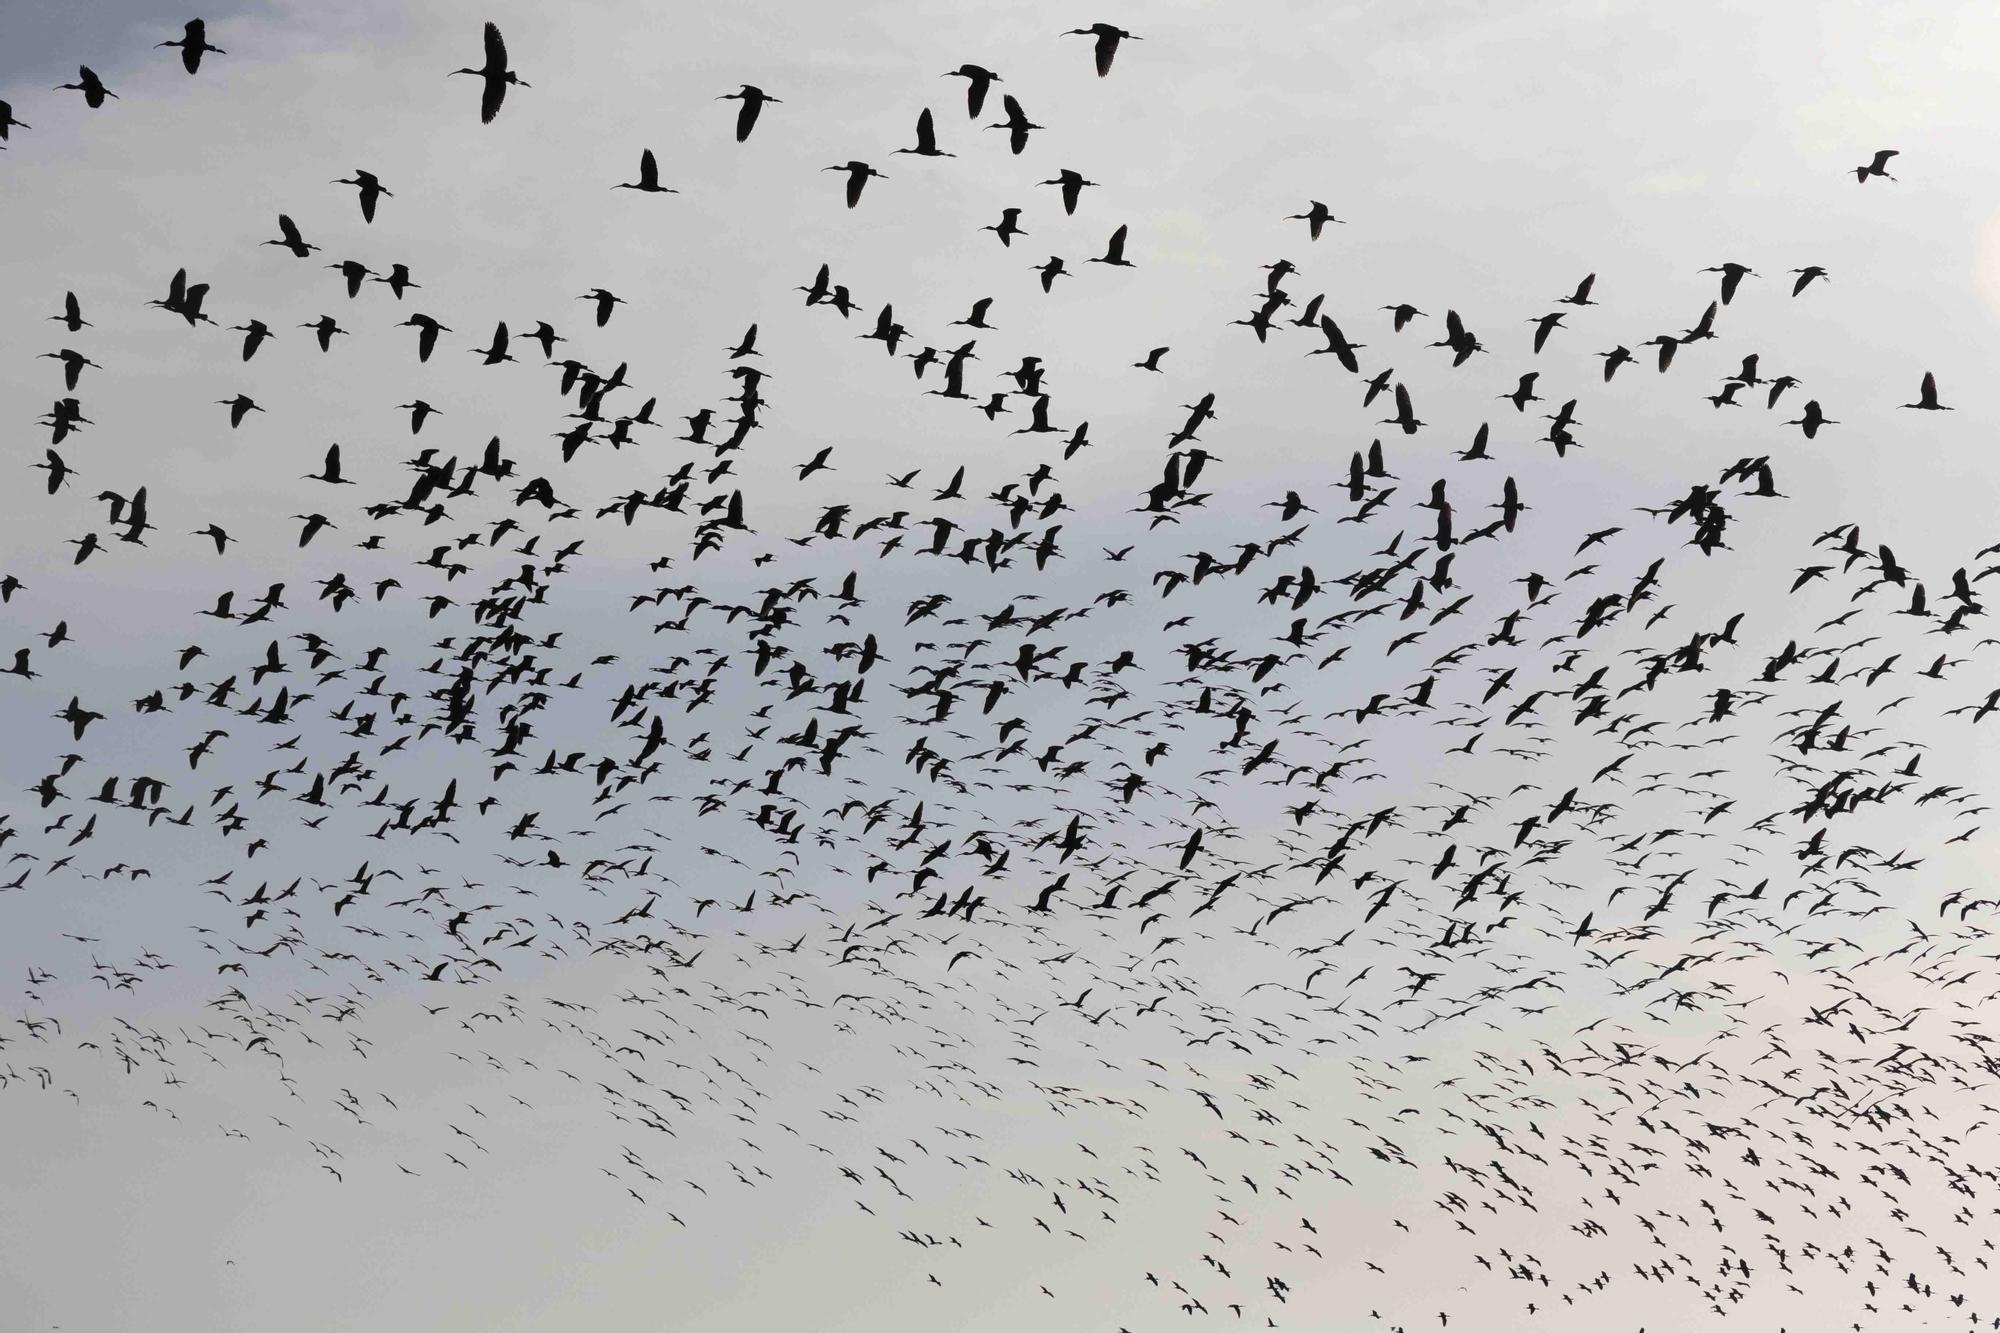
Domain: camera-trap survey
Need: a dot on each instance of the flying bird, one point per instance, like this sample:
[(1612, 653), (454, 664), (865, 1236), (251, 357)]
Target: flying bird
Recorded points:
[(494, 76)]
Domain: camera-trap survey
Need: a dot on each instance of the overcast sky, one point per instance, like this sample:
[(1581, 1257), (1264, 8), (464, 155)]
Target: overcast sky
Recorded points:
[(1483, 158)]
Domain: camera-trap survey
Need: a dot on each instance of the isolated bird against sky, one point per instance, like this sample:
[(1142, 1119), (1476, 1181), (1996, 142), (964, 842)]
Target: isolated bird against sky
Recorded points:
[(93, 89), (368, 190), (977, 80), (493, 75), (1732, 277), (1017, 124), (1927, 396), (753, 100), (1105, 38), (649, 177), (926, 145), (1114, 250), (858, 175), (1877, 165), (193, 43), (1071, 184), (1315, 217)]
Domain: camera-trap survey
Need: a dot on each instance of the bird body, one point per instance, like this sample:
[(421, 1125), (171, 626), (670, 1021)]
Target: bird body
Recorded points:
[(493, 75)]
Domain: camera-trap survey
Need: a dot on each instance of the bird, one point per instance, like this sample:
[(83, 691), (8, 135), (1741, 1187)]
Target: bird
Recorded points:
[(753, 100), (1017, 125), (1316, 216), (926, 138), (1106, 38), (239, 407), (93, 89), (1114, 250), (330, 471), (289, 238), (193, 43), (977, 80), (1732, 275), (1812, 419), (368, 189), (858, 174), (649, 177), (1927, 399), (1878, 165), (1008, 227), (494, 76), (1072, 185), (604, 302)]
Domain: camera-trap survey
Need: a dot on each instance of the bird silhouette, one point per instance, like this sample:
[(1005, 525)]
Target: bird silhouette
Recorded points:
[(493, 75)]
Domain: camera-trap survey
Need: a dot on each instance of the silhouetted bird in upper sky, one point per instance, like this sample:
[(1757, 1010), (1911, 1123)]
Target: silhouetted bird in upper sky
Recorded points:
[(1876, 166), (753, 99), (193, 44), (93, 89), (977, 81), (1107, 39), (494, 76)]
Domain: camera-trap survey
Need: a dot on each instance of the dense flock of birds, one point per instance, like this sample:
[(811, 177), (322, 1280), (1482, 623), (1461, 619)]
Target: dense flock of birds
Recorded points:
[(1425, 798)]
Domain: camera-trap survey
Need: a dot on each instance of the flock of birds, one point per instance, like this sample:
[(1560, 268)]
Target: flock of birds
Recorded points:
[(1572, 891)]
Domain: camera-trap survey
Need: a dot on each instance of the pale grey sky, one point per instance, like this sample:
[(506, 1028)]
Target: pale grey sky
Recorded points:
[(1483, 159)]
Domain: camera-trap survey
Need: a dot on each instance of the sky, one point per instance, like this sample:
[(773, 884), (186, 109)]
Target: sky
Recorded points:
[(1483, 159)]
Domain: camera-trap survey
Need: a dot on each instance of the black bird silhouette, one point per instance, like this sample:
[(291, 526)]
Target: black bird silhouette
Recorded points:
[(1107, 38), (1072, 184), (977, 81), (1114, 250), (1581, 296), (289, 238), (926, 138), (494, 76), (239, 407), (1732, 276), (753, 99), (93, 89), (1017, 124), (330, 472), (1927, 398), (858, 174), (1812, 419), (604, 301), (649, 177), (1876, 166), (1008, 227), (193, 43), (368, 189), (1315, 217)]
